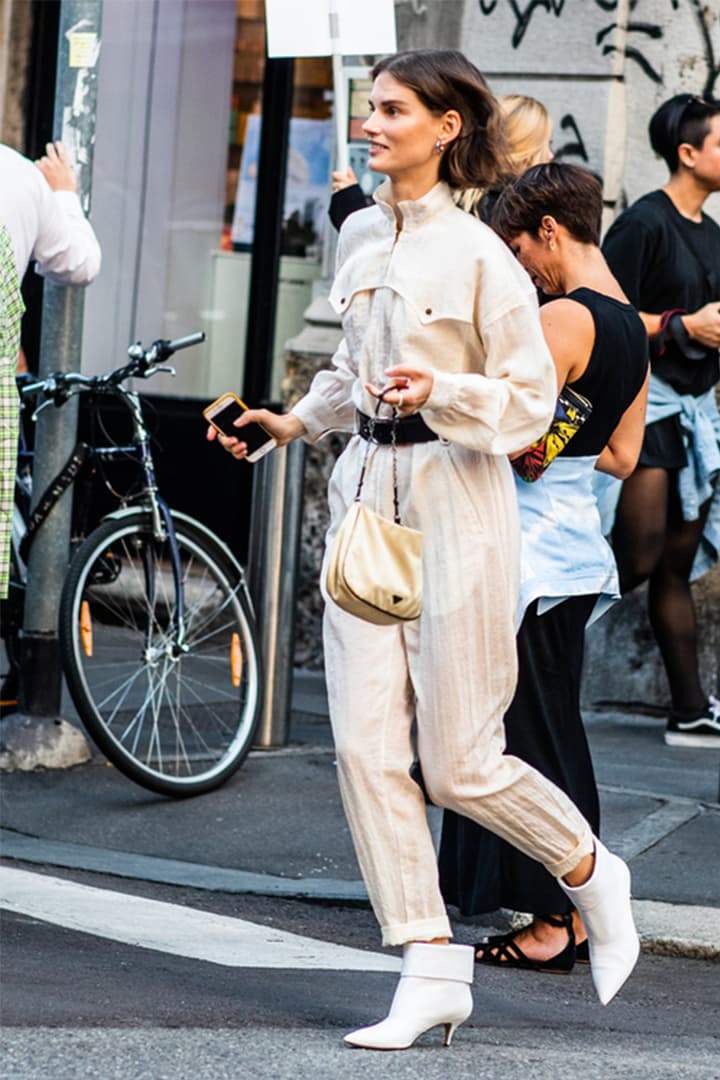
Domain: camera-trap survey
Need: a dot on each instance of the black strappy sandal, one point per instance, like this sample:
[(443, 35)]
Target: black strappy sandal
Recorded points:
[(582, 952), (503, 951)]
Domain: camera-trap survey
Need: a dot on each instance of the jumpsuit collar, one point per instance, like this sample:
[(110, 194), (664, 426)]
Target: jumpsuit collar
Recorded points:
[(415, 212)]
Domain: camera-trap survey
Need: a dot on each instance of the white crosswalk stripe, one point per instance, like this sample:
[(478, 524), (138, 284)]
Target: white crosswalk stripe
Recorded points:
[(171, 928)]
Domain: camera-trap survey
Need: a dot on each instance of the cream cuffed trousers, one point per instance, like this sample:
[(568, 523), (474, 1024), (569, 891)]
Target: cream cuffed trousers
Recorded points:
[(452, 673)]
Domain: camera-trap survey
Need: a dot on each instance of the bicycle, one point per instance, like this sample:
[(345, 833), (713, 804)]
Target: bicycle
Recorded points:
[(156, 627)]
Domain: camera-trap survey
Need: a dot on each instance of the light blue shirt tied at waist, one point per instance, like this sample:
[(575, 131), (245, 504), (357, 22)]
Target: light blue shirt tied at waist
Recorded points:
[(563, 550), (700, 424)]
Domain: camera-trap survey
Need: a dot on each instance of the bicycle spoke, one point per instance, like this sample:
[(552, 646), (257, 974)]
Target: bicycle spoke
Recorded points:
[(167, 705), (192, 681)]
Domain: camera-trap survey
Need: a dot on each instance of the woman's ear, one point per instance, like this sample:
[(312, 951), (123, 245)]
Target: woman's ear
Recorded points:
[(451, 126), (548, 231)]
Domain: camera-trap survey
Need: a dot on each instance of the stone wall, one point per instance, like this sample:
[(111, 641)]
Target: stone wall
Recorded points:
[(601, 67)]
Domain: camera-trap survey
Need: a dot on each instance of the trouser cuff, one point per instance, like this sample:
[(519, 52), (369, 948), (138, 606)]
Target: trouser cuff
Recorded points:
[(420, 930), (584, 847)]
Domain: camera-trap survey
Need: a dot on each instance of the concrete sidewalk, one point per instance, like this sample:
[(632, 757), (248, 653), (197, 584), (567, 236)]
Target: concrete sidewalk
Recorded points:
[(277, 827)]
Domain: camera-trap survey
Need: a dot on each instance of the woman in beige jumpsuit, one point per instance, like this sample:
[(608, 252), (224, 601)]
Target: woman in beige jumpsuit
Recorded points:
[(433, 303)]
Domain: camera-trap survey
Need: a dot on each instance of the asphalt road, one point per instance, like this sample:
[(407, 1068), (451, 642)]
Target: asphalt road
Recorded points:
[(75, 1004)]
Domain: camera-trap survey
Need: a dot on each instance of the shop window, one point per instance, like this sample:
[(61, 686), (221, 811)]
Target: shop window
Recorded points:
[(307, 191)]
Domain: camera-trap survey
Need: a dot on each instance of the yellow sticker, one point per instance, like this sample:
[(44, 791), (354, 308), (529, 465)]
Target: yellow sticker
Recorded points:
[(82, 50)]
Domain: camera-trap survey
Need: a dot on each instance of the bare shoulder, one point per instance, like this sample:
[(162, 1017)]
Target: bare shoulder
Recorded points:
[(569, 331), (566, 316)]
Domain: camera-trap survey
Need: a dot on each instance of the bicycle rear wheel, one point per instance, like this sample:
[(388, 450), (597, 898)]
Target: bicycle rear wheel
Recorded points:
[(176, 715)]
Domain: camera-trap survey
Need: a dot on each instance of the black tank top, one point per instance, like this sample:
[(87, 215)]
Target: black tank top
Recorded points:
[(615, 371)]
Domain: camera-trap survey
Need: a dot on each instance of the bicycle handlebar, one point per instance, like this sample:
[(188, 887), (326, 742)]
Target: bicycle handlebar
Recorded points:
[(143, 363), (186, 342)]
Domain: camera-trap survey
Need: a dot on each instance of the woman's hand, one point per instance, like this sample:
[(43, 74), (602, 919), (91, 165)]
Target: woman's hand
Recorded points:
[(283, 428), (704, 325), (411, 388), (342, 180)]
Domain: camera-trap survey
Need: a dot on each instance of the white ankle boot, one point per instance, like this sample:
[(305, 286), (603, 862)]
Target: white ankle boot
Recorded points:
[(434, 989), (604, 906)]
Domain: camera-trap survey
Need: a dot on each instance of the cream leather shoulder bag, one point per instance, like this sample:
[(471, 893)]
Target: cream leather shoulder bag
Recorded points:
[(375, 570)]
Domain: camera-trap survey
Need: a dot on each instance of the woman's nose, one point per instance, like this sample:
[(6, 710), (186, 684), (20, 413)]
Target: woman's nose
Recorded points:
[(370, 124)]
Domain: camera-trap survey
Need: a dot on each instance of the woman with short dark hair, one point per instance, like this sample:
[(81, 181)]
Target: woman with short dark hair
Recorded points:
[(665, 252), (434, 306), (550, 217)]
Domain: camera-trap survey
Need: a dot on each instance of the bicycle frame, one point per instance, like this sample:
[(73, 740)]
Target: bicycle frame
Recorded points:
[(163, 528)]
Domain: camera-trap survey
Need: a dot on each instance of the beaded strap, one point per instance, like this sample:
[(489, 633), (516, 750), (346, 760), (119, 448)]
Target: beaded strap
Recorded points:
[(393, 444)]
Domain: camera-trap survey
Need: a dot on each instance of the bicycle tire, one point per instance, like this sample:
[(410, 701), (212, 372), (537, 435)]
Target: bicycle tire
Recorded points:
[(177, 720)]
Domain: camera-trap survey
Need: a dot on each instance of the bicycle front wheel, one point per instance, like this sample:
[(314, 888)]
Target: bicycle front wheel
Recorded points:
[(174, 704)]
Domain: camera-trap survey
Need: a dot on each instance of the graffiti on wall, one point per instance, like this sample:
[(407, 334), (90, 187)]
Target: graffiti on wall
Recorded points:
[(523, 13), (639, 33), (712, 58), (575, 145)]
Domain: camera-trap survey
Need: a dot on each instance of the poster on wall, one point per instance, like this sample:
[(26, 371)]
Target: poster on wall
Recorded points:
[(306, 187), (303, 29), (359, 88)]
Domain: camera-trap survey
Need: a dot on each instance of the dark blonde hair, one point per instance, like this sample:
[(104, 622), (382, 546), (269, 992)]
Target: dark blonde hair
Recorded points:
[(527, 128), (445, 79), (527, 125)]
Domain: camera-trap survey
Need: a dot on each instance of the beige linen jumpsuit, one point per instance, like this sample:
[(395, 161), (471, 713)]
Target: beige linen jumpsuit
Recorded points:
[(442, 291)]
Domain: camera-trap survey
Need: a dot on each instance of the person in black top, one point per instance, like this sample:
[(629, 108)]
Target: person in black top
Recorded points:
[(665, 252), (550, 217)]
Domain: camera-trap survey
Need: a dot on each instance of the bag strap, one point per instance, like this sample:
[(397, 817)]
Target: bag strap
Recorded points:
[(393, 443)]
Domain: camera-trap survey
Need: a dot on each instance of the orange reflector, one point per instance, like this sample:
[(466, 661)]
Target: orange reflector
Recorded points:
[(86, 628), (236, 659)]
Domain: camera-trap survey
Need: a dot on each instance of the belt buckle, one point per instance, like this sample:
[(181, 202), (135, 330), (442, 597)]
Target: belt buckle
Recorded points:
[(386, 427)]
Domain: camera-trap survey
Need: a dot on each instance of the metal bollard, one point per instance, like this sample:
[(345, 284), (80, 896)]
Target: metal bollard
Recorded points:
[(277, 499)]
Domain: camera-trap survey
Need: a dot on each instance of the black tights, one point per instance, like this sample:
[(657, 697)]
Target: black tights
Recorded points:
[(653, 543)]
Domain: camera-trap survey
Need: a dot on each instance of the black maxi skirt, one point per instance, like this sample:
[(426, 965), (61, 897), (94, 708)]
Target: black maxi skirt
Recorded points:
[(479, 872)]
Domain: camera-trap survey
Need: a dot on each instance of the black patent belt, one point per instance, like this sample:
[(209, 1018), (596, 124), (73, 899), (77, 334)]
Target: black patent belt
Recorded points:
[(408, 429)]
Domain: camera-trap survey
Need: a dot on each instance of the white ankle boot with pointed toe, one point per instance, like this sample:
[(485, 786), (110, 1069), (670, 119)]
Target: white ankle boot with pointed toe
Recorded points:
[(434, 989), (603, 903)]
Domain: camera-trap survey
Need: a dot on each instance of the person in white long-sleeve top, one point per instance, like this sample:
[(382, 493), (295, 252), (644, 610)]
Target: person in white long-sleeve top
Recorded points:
[(41, 220), (434, 304), (40, 208)]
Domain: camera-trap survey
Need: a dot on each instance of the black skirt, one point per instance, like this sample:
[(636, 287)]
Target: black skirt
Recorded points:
[(479, 872), (663, 446)]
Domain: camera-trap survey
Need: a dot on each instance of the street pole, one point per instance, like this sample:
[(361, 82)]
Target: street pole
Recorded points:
[(272, 576), (60, 349)]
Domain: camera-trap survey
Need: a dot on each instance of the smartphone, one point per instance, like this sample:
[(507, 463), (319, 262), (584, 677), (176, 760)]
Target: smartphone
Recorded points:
[(227, 409)]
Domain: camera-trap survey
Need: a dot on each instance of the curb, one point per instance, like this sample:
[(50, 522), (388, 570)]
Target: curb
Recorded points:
[(14, 845), (657, 921)]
